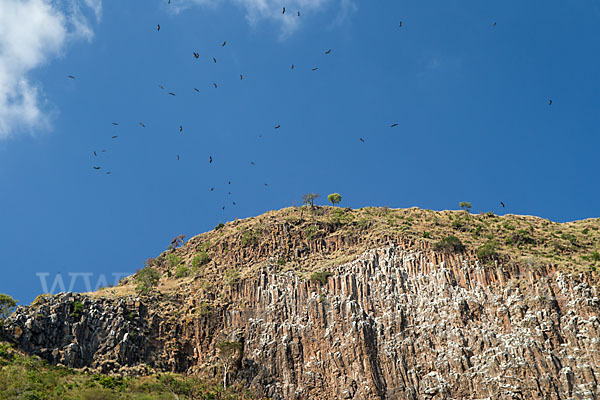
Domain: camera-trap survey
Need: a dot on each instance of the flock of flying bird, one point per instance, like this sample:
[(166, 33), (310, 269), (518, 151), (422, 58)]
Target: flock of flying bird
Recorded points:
[(197, 56)]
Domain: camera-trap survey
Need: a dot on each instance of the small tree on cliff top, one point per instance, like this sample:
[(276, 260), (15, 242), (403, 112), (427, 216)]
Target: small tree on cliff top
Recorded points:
[(334, 198), (309, 198), (7, 306)]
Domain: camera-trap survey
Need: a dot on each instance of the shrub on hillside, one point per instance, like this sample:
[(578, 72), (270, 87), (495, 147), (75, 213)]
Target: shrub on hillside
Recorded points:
[(146, 279), (320, 277), (450, 244), (487, 251), (182, 271), (200, 259)]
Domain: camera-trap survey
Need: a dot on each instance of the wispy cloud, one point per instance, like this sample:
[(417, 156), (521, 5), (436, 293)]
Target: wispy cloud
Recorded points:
[(31, 33), (272, 10)]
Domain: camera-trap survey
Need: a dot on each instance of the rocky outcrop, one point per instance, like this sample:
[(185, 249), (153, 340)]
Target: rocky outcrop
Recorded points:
[(394, 323)]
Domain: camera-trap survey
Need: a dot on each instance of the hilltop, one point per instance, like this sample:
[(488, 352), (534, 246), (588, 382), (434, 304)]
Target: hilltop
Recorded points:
[(309, 240)]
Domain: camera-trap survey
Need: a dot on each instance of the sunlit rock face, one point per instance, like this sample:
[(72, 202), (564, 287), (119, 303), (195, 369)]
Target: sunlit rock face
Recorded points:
[(395, 323)]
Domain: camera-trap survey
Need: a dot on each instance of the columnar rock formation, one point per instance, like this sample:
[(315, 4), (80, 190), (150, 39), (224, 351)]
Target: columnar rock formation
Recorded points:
[(395, 323)]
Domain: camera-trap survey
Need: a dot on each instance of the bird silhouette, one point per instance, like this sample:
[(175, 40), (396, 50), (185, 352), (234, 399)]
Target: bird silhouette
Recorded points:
[(400, 24), (266, 184), (229, 193), (210, 160), (180, 128), (393, 125), (196, 90), (224, 43), (292, 66), (215, 85), (114, 123), (71, 76), (158, 27), (229, 183), (362, 140), (223, 208), (161, 86), (96, 167), (142, 125), (95, 154), (315, 68), (196, 55), (550, 102), (298, 13), (252, 163), (215, 60), (328, 51), (277, 126), (114, 137), (172, 94), (494, 24), (212, 189), (177, 157), (234, 203), (107, 172), (283, 10), (241, 77), (103, 151), (502, 204)]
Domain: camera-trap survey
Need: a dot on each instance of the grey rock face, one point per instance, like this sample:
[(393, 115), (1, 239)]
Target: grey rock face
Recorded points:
[(392, 324)]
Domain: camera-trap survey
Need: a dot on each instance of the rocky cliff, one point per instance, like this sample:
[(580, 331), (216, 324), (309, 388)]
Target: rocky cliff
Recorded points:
[(399, 321)]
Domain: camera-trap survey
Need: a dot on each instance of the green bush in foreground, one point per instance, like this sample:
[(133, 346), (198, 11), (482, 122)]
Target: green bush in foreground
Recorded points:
[(24, 377)]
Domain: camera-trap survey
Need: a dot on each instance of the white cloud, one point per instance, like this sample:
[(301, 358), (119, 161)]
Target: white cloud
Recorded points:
[(261, 10), (32, 32)]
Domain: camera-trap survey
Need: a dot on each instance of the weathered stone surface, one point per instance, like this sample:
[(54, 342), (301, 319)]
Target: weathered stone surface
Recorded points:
[(394, 323)]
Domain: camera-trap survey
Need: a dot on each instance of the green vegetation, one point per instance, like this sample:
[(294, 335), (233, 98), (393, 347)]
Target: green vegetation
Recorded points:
[(281, 261), (232, 277), (7, 306), (30, 378), (230, 354), (77, 309), (182, 271), (200, 259), (173, 260), (488, 251), (221, 225), (309, 199), (311, 231), (249, 237), (320, 277), (146, 279), (465, 205), (334, 198), (450, 244)]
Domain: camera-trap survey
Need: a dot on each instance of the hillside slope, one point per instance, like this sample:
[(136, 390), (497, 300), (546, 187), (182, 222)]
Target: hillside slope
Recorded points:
[(338, 303)]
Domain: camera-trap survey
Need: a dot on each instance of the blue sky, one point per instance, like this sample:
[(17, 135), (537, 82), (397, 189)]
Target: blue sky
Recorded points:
[(470, 100)]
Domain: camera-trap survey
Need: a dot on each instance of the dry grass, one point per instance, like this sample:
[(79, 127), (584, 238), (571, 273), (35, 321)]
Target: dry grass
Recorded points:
[(300, 239)]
